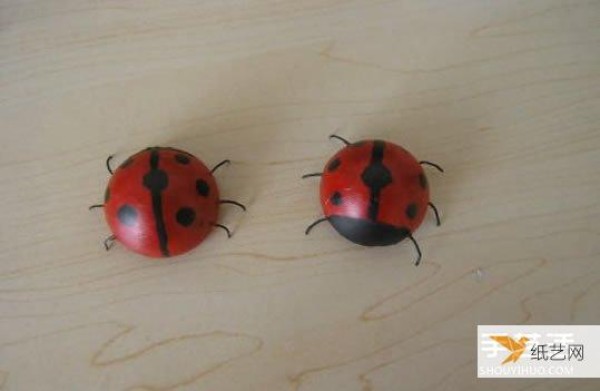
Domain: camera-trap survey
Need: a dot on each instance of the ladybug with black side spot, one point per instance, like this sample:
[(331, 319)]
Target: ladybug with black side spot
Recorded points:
[(375, 193), (162, 202)]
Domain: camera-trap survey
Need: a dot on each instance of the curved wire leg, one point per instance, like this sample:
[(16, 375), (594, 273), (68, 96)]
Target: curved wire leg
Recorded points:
[(310, 227), (226, 161), (428, 163), (340, 138), (437, 215), (418, 260), (109, 242), (224, 228), (108, 159), (233, 203), (96, 206), (311, 175)]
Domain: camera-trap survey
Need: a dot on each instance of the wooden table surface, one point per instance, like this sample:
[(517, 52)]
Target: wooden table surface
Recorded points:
[(504, 94)]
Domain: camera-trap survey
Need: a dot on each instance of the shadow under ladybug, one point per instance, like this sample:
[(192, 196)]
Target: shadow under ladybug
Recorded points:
[(162, 202), (374, 193)]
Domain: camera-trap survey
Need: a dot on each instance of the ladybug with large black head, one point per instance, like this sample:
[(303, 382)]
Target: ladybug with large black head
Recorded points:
[(374, 193), (162, 202)]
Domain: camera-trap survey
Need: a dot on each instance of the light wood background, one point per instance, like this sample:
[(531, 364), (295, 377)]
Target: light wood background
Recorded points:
[(504, 94)]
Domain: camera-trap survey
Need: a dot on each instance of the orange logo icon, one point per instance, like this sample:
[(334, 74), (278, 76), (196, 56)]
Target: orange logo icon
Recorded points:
[(516, 348)]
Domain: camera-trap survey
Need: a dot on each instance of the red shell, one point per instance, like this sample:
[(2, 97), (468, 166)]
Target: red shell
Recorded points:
[(378, 185), (161, 202)]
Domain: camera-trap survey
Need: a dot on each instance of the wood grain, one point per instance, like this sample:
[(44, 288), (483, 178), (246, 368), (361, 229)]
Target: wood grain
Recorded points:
[(503, 94)]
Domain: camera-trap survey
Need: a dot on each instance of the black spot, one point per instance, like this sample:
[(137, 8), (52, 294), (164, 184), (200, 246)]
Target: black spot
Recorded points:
[(376, 176), (334, 165), (185, 216), (127, 215), (182, 159), (423, 180), (156, 180), (411, 211), (202, 187), (106, 194), (336, 198), (126, 163)]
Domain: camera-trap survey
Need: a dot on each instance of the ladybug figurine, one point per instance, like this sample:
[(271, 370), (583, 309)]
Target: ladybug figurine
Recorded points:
[(374, 193), (162, 202)]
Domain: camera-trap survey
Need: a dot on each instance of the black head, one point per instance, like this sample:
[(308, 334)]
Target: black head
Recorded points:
[(367, 232)]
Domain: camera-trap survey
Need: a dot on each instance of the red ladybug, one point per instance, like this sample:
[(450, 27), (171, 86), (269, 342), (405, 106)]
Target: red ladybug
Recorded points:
[(162, 202), (374, 193)]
